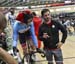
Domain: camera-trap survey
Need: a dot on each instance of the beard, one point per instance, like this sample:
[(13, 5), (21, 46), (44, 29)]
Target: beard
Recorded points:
[(47, 19)]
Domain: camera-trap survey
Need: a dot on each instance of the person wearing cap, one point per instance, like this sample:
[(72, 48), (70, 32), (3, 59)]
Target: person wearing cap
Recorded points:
[(49, 34)]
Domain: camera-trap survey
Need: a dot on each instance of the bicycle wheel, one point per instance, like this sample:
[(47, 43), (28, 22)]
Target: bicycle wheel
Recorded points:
[(32, 58), (28, 59)]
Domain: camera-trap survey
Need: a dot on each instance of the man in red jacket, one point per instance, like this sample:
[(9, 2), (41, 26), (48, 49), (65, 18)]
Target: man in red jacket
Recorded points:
[(37, 21)]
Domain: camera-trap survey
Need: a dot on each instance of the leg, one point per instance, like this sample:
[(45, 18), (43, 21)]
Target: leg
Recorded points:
[(32, 45), (22, 40), (58, 56), (49, 56), (39, 42), (24, 48)]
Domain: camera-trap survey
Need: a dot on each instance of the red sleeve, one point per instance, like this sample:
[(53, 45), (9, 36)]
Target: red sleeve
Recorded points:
[(20, 17)]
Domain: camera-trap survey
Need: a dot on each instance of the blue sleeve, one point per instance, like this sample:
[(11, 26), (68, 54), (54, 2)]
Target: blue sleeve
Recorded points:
[(15, 35), (33, 35)]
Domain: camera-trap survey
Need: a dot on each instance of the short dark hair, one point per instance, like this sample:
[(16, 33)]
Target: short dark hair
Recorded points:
[(33, 13), (44, 10), (26, 17)]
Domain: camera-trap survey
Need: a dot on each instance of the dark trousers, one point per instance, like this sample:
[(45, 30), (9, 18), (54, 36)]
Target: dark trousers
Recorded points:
[(56, 53)]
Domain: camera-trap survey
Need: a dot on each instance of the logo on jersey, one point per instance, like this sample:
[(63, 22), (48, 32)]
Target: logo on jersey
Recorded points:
[(53, 26)]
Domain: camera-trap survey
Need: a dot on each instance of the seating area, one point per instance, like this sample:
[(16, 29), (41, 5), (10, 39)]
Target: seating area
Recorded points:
[(10, 3), (2, 2)]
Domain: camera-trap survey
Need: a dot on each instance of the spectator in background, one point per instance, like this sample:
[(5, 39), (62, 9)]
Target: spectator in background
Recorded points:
[(62, 19), (67, 24), (11, 16), (6, 15), (37, 21)]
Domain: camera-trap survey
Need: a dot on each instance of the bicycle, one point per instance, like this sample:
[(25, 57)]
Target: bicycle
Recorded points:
[(30, 54)]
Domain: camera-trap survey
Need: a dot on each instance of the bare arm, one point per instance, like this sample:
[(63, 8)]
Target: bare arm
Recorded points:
[(7, 57)]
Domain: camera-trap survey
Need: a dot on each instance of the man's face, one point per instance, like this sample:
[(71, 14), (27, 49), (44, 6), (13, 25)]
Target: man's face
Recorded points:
[(47, 16), (12, 12)]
